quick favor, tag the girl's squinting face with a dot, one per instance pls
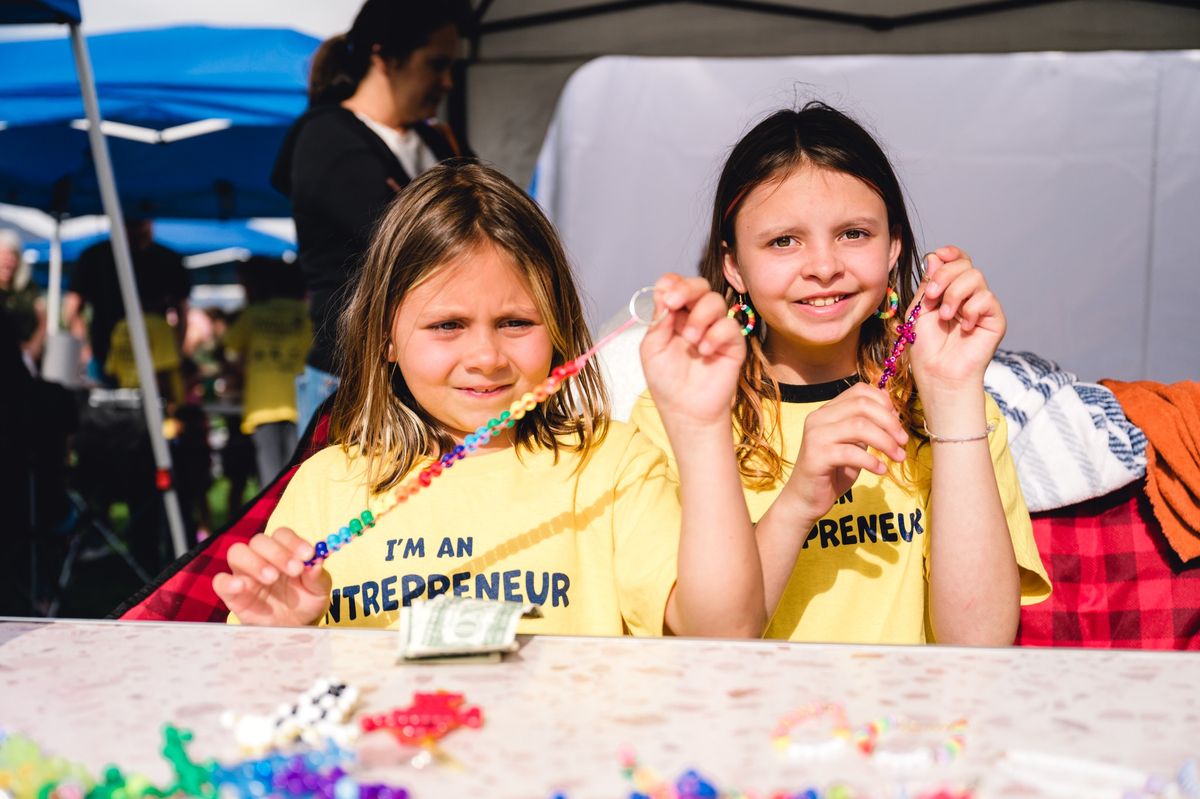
(813, 252)
(470, 340)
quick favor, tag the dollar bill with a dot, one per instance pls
(450, 627)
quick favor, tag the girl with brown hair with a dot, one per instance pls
(464, 307)
(883, 514)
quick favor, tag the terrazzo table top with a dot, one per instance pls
(558, 711)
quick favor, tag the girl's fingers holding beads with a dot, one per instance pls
(299, 550)
(708, 309)
(722, 335)
(670, 292)
(251, 567)
(234, 592)
(966, 282)
(857, 458)
(316, 580)
(274, 554)
(983, 310)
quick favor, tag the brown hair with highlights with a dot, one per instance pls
(817, 136)
(443, 214)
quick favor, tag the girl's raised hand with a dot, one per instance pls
(269, 583)
(960, 326)
(834, 448)
(692, 356)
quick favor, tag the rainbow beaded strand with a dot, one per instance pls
(482, 435)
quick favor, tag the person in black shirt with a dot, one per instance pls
(369, 130)
(162, 282)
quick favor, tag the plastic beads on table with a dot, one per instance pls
(316, 774)
(647, 784)
(905, 334)
(25, 770)
(920, 758)
(482, 435)
(430, 717)
(319, 714)
(827, 747)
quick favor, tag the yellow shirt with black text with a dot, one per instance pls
(862, 572)
(595, 548)
(164, 354)
(272, 340)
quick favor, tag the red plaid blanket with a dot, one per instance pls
(1117, 584)
(184, 591)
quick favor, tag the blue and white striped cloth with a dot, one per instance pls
(1070, 440)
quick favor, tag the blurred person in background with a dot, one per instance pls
(22, 300)
(369, 130)
(269, 342)
(93, 306)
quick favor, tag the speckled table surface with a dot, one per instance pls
(558, 711)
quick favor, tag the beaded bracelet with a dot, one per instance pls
(829, 747)
(991, 428)
(918, 759)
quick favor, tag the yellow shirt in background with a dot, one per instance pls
(596, 548)
(272, 340)
(863, 568)
(164, 354)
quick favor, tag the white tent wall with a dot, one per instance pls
(1075, 176)
(517, 74)
(1070, 178)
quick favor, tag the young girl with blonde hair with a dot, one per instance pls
(464, 307)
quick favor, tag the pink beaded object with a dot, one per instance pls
(905, 334)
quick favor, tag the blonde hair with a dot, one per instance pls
(822, 137)
(447, 212)
(10, 240)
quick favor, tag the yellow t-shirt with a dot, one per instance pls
(272, 339)
(164, 354)
(596, 548)
(862, 573)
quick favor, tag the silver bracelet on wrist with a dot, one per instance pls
(991, 428)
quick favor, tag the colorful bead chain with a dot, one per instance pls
(485, 433)
(905, 334)
(482, 435)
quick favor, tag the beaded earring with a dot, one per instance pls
(742, 307)
(893, 305)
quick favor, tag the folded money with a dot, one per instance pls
(456, 629)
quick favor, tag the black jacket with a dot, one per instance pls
(339, 176)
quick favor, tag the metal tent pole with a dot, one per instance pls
(133, 306)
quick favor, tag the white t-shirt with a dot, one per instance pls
(408, 147)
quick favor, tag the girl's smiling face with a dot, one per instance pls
(470, 340)
(813, 251)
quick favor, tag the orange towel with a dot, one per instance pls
(1169, 415)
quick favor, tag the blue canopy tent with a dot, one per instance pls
(184, 236)
(194, 117)
(47, 164)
